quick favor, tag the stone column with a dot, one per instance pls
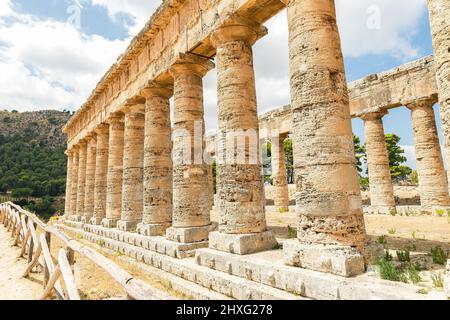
(439, 11)
(211, 184)
(279, 180)
(90, 178)
(101, 174)
(115, 171)
(67, 210)
(331, 230)
(133, 161)
(433, 184)
(74, 183)
(242, 222)
(157, 215)
(380, 181)
(81, 179)
(191, 199)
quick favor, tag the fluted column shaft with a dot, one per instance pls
(90, 178)
(157, 216)
(279, 180)
(81, 179)
(191, 202)
(439, 12)
(67, 209)
(329, 205)
(101, 174)
(433, 184)
(240, 187)
(74, 182)
(115, 171)
(133, 161)
(380, 181)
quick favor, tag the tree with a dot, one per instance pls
(288, 150)
(360, 153)
(399, 172)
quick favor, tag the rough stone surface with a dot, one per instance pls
(157, 213)
(115, 171)
(133, 162)
(381, 188)
(242, 243)
(91, 155)
(101, 174)
(81, 179)
(447, 281)
(433, 183)
(191, 199)
(328, 197)
(439, 11)
(74, 182)
(67, 209)
(239, 183)
(281, 191)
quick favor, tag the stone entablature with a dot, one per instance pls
(178, 26)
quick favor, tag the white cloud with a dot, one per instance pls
(379, 26)
(139, 10)
(50, 64)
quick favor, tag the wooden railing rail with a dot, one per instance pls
(34, 237)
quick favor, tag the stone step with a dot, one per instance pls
(268, 268)
(187, 269)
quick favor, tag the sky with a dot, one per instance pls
(53, 53)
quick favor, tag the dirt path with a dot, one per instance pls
(12, 285)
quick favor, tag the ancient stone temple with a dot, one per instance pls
(135, 179)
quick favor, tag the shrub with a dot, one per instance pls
(382, 240)
(388, 271)
(392, 231)
(413, 274)
(438, 280)
(404, 255)
(439, 255)
(292, 233)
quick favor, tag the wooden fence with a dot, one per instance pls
(34, 238)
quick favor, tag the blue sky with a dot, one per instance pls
(49, 61)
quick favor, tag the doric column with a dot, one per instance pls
(115, 171)
(279, 180)
(331, 231)
(133, 162)
(211, 185)
(380, 181)
(433, 184)
(74, 182)
(67, 209)
(439, 11)
(81, 179)
(90, 178)
(157, 215)
(191, 203)
(101, 174)
(242, 222)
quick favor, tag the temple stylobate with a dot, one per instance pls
(127, 175)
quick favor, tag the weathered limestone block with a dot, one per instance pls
(439, 11)
(240, 184)
(133, 162)
(74, 182)
(90, 177)
(329, 205)
(101, 174)
(81, 180)
(381, 188)
(157, 216)
(191, 199)
(433, 183)
(115, 171)
(67, 209)
(279, 180)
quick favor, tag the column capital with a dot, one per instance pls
(134, 105)
(90, 137)
(69, 152)
(191, 64)
(102, 128)
(157, 89)
(420, 104)
(116, 117)
(237, 28)
(374, 115)
(82, 143)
